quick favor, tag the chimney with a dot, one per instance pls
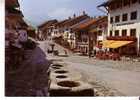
(100, 17)
(69, 17)
(74, 15)
(84, 13)
(91, 17)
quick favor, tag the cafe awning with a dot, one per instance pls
(115, 44)
(107, 43)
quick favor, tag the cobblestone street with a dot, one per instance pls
(109, 78)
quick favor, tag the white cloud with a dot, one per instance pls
(61, 13)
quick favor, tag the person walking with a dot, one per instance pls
(65, 52)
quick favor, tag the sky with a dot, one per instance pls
(38, 11)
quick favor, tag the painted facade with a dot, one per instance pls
(46, 29)
(124, 22)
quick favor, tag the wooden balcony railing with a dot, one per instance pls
(122, 38)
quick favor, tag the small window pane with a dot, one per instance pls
(110, 33)
(117, 19)
(117, 33)
(124, 32)
(133, 32)
(125, 17)
(134, 15)
(111, 20)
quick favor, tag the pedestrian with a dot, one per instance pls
(94, 53)
(90, 54)
(65, 52)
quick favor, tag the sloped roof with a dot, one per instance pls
(48, 23)
(75, 20)
(101, 21)
(86, 24)
(61, 22)
(23, 23)
(77, 25)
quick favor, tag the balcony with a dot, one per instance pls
(122, 38)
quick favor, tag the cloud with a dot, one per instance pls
(61, 13)
(38, 11)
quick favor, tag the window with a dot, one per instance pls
(125, 17)
(111, 20)
(117, 19)
(124, 32)
(111, 33)
(117, 33)
(100, 33)
(100, 26)
(85, 40)
(134, 15)
(133, 32)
